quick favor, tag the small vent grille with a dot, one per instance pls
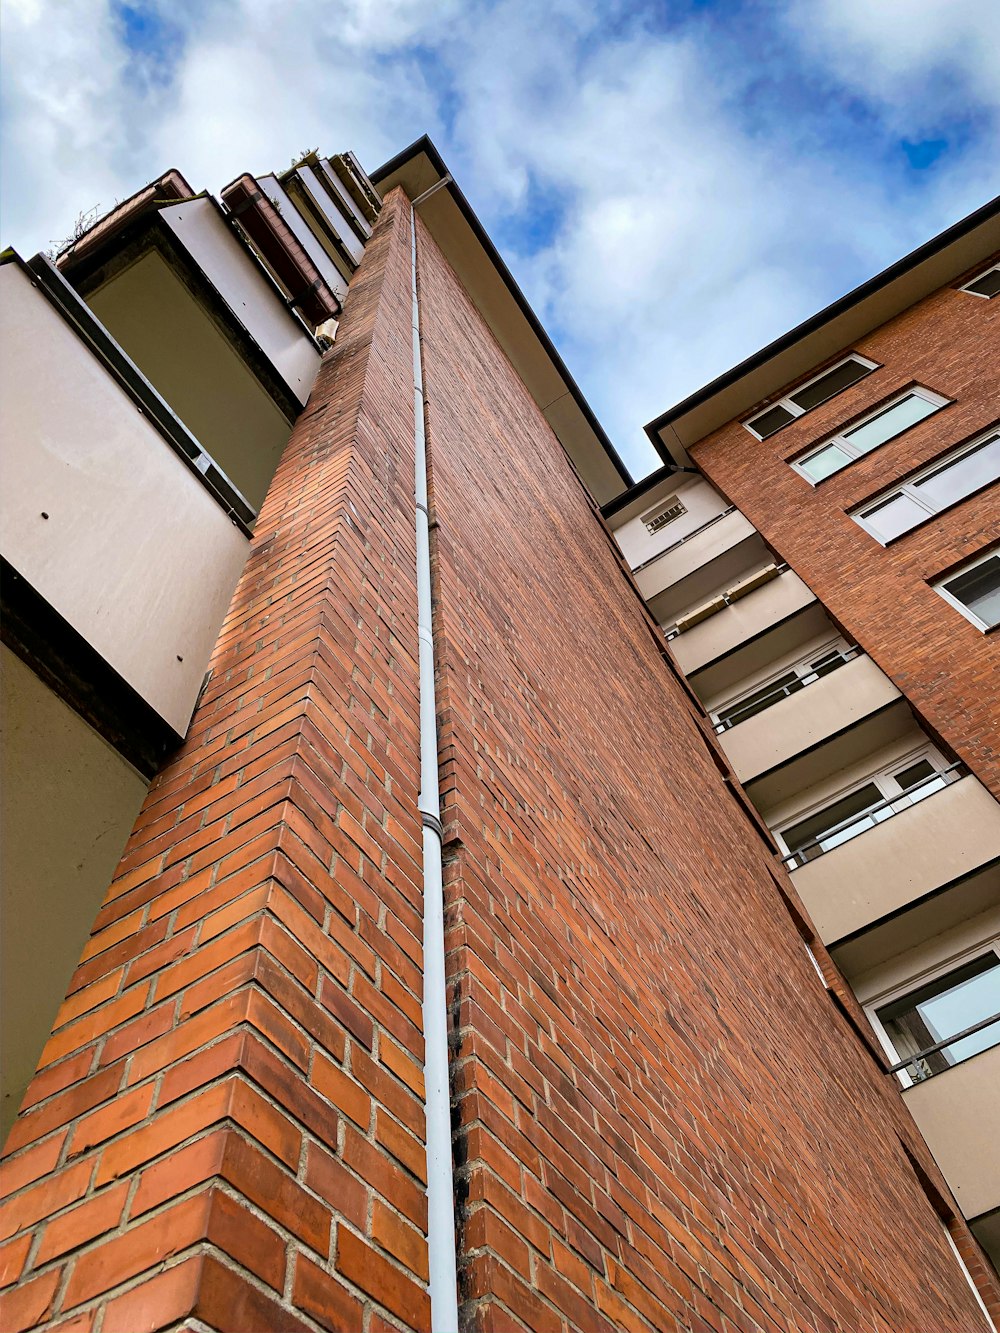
(671, 510)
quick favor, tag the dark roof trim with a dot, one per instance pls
(268, 231)
(817, 321)
(639, 488)
(426, 146)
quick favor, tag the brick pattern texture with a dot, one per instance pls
(662, 1123)
(950, 670)
(227, 1122)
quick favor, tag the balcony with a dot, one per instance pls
(111, 511)
(897, 853)
(820, 707)
(711, 541)
(958, 1113)
(738, 618)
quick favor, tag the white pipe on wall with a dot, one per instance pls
(437, 1104)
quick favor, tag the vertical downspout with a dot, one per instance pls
(437, 1104)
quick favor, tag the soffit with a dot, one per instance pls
(765, 375)
(502, 305)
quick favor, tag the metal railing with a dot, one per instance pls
(686, 538)
(884, 810)
(917, 1073)
(832, 662)
(727, 599)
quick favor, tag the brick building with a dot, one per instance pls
(482, 944)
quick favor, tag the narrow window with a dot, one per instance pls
(922, 1023)
(809, 395)
(975, 591)
(874, 430)
(938, 487)
(666, 513)
(987, 284)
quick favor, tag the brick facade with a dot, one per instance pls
(227, 1121)
(946, 667)
(662, 1120)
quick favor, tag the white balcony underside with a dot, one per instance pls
(898, 862)
(807, 718)
(958, 1113)
(744, 619)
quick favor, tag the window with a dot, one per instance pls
(903, 783)
(670, 509)
(941, 1009)
(819, 663)
(872, 431)
(975, 590)
(987, 284)
(810, 395)
(933, 490)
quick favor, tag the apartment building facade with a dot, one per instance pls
(303, 521)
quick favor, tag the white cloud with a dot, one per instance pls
(703, 203)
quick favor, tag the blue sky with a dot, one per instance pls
(673, 184)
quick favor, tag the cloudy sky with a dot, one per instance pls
(673, 184)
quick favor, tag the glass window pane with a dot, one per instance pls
(949, 1005)
(979, 590)
(895, 516)
(907, 412)
(761, 699)
(918, 772)
(816, 825)
(771, 420)
(825, 462)
(834, 381)
(988, 284)
(956, 480)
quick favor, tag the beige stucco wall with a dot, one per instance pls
(693, 554)
(751, 615)
(807, 717)
(920, 849)
(67, 805)
(958, 1113)
(99, 514)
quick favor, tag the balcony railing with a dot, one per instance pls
(725, 599)
(875, 814)
(915, 1066)
(765, 701)
(716, 518)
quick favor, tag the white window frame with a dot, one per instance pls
(983, 296)
(960, 607)
(940, 464)
(854, 454)
(662, 507)
(917, 982)
(882, 778)
(798, 411)
(803, 667)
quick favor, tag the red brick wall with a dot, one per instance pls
(664, 1122)
(227, 1122)
(947, 667)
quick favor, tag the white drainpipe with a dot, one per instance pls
(440, 1174)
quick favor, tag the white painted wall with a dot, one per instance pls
(135, 553)
(199, 227)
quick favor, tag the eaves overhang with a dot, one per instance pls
(762, 377)
(463, 240)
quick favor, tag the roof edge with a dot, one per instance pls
(823, 317)
(426, 146)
